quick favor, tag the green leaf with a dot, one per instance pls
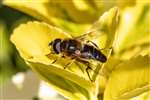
(105, 29)
(64, 82)
(74, 29)
(58, 13)
(143, 96)
(32, 41)
(76, 14)
(132, 32)
(35, 9)
(47, 10)
(129, 79)
(112, 62)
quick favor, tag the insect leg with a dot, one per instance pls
(88, 67)
(57, 58)
(54, 61)
(69, 63)
(63, 56)
(48, 55)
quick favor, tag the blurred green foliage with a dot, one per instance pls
(10, 60)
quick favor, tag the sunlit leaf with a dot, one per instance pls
(105, 28)
(107, 25)
(32, 41)
(129, 79)
(125, 3)
(63, 14)
(64, 82)
(132, 32)
(76, 14)
(47, 10)
(111, 64)
(143, 96)
(74, 29)
(35, 9)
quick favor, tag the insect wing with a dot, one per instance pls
(93, 33)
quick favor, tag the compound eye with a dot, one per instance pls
(56, 45)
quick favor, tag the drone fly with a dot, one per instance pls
(76, 50)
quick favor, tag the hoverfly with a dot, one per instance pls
(77, 50)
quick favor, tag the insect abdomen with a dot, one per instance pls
(89, 52)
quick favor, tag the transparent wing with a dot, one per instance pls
(97, 36)
(93, 33)
(85, 36)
